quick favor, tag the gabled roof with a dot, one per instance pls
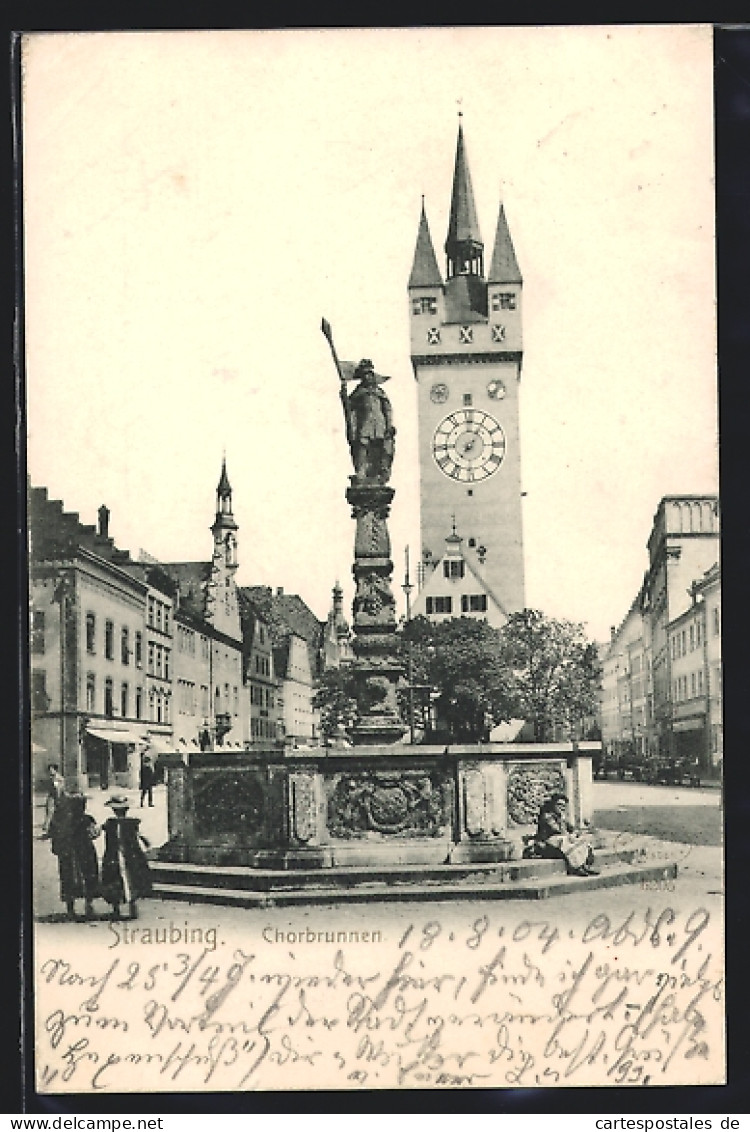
(425, 271)
(504, 267)
(55, 533)
(463, 225)
(287, 615)
(191, 579)
(435, 583)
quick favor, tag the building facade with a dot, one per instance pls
(466, 352)
(662, 686)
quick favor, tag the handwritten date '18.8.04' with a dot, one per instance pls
(631, 1000)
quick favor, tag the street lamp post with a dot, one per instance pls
(408, 588)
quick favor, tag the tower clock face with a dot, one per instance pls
(468, 445)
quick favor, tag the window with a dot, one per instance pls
(109, 640)
(39, 697)
(426, 304)
(700, 681)
(151, 605)
(125, 646)
(236, 701)
(474, 603)
(37, 631)
(454, 568)
(467, 399)
(439, 605)
(717, 621)
(139, 650)
(166, 664)
(90, 633)
(692, 637)
(692, 683)
(504, 301)
(124, 701)
(167, 703)
(166, 619)
(109, 703)
(90, 691)
(698, 633)
(465, 335)
(150, 657)
(158, 609)
(204, 699)
(139, 702)
(159, 657)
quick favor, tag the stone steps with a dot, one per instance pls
(516, 880)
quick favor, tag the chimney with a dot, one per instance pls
(104, 521)
(279, 591)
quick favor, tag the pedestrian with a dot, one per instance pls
(55, 788)
(555, 837)
(72, 832)
(147, 779)
(125, 870)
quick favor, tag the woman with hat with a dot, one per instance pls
(125, 871)
(71, 832)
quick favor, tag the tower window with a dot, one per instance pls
(503, 301)
(433, 336)
(426, 304)
(467, 399)
(465, 335)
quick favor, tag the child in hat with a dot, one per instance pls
(125, 871)
(71, 833)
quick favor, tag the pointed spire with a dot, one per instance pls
(425, 271)
(504, 267)
(463, 244)
(224, 489)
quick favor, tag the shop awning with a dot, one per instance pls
(114, 734)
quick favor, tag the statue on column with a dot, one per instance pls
(368, 416)
(370, 435)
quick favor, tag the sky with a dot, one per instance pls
(195, 202)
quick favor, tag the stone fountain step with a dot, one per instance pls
(348, 876)
(518, 880)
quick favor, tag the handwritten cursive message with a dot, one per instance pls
(499, 997)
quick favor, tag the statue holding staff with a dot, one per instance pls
(368, 416)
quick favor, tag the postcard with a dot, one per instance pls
(375, 593)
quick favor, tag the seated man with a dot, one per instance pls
(556, 837)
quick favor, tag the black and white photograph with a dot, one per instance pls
(375, 622)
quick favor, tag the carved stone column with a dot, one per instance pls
(374, 616)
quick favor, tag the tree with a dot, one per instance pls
(336, 700)
(556, 672)
(462, 660)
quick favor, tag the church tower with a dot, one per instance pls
(222, 607)
(466, 351)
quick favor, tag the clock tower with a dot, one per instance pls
(466, 352)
